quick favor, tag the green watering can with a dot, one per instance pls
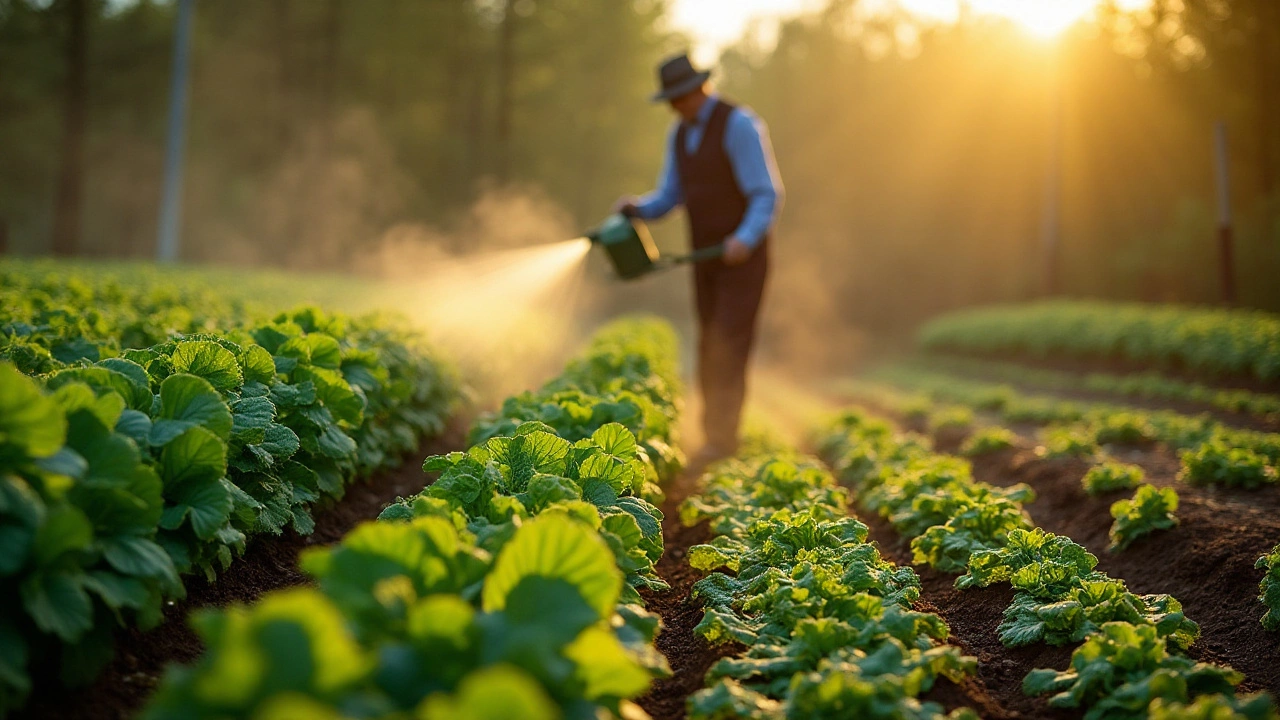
(632, 252)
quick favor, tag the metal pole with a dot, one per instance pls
(1051, 231)
(1222, 172)
(175, 144)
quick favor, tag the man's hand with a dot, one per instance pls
(736, 252)
(626, 205)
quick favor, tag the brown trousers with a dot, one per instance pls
(728, 303)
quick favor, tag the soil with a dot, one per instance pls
(270, 563)
(1206, 562)
(973, 615)
(689, 655)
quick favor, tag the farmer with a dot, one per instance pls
(720, 166)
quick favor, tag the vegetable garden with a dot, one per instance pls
(979, 533)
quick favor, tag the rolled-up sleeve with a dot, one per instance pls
(668, 195)
(746, 142)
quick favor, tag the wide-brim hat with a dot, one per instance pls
(677, 77)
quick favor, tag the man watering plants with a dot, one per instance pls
(720, 167)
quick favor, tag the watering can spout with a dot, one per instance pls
(631, 251)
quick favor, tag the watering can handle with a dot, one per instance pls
(707, 253)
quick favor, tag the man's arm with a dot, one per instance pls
(668, 195)
(746, 142)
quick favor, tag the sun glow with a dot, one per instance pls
(715, 24)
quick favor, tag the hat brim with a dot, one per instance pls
(683, 88)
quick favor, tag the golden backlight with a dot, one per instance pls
(716, 23)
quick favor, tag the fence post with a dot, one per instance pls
(171, 198)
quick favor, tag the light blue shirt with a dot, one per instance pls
(746, 142)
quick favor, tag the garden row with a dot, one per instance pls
(1211, 453)
(828, 624)
(1131, 662)
(146, 434)
(507, 588)
(1218, 343)
(1260, 408)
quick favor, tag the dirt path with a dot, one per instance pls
(689, 656)
(269, 564)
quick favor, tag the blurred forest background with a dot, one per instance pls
(338, 134)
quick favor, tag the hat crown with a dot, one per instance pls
(676, 70)
(677, 76)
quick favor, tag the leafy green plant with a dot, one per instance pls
(1216, 463)
(1269, 589)
(78, 514)
(414, 615)
(628, 375)
(950, 419)
(988, 440)
(1061, 598)
(1209, 340)
(1151, 509)
(189, 424)
(496, 484)
(1121, 670)
(1060, 442)
(1215, 707)
(1110, 476)
(1123, 428)
(793, 578)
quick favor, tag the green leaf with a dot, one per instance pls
(139, 557)
(58, 604)
(604, 666)
(196, 456)
(29, 420)
(500, 692)
(21, 514)
(257, 365)
(117, 591)
(555, 547)
(185, 402)
(208, 360)
(616, 440)
(325, 351)
(65, 530)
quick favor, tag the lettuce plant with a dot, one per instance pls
(1111, 476)
(1270, 589)
(1217, 463)
(1120, 670)
(414, 617)
(1061, 598)
(793, 578)
(1151, 509)
(988, 440)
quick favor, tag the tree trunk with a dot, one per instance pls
(506, 69)
(68, 200)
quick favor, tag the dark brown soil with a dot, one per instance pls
(270, 563)
(973, 615)
(1207, 562)
(689, 655)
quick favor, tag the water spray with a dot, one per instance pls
(631, 250)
